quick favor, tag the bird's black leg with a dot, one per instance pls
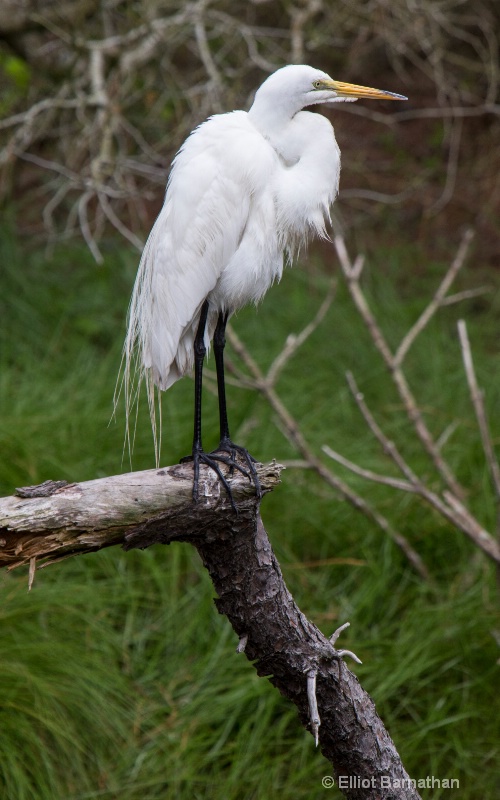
(198, 455)
(226, 445)
(199, 356)
(219, 345)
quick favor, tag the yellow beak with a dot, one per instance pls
(352, 90)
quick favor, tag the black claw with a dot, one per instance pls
(211, 460)
(233, 450)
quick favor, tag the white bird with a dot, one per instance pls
(245, 191)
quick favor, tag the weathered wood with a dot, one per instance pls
(55, 520)
(140, 509)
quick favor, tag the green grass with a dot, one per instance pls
(118, 677)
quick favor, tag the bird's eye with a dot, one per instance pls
(317, 84)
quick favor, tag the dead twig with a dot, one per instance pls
(295, 341)
(352, 274)
(439, 299)
(477, 397)
(449, 501)
(448, 505)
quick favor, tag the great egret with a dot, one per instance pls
(245, 190)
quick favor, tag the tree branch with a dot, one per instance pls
(57, 520)
(449, 506)
(394, 362)
(477, 397)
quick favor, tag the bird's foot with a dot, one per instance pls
(198, 457)
(233, 451)
(217, 457)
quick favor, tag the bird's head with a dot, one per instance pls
(326, 90)
(297, 86)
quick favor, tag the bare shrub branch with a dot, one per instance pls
(114, 88)
(449, 501)
(477, 397)
(393, 362)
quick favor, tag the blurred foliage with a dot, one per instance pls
(119, 679)
(115, 86)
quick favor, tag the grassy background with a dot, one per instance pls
(118, 678)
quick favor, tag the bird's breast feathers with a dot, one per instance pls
(231, 209)
(227, 170)
(220, 214)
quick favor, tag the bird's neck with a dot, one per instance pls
(271, 115)
(307, 182)
(293, 138)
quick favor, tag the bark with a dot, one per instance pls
(55, 521)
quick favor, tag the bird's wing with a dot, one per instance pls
(216, 176)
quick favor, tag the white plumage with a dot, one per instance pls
(245, 190)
